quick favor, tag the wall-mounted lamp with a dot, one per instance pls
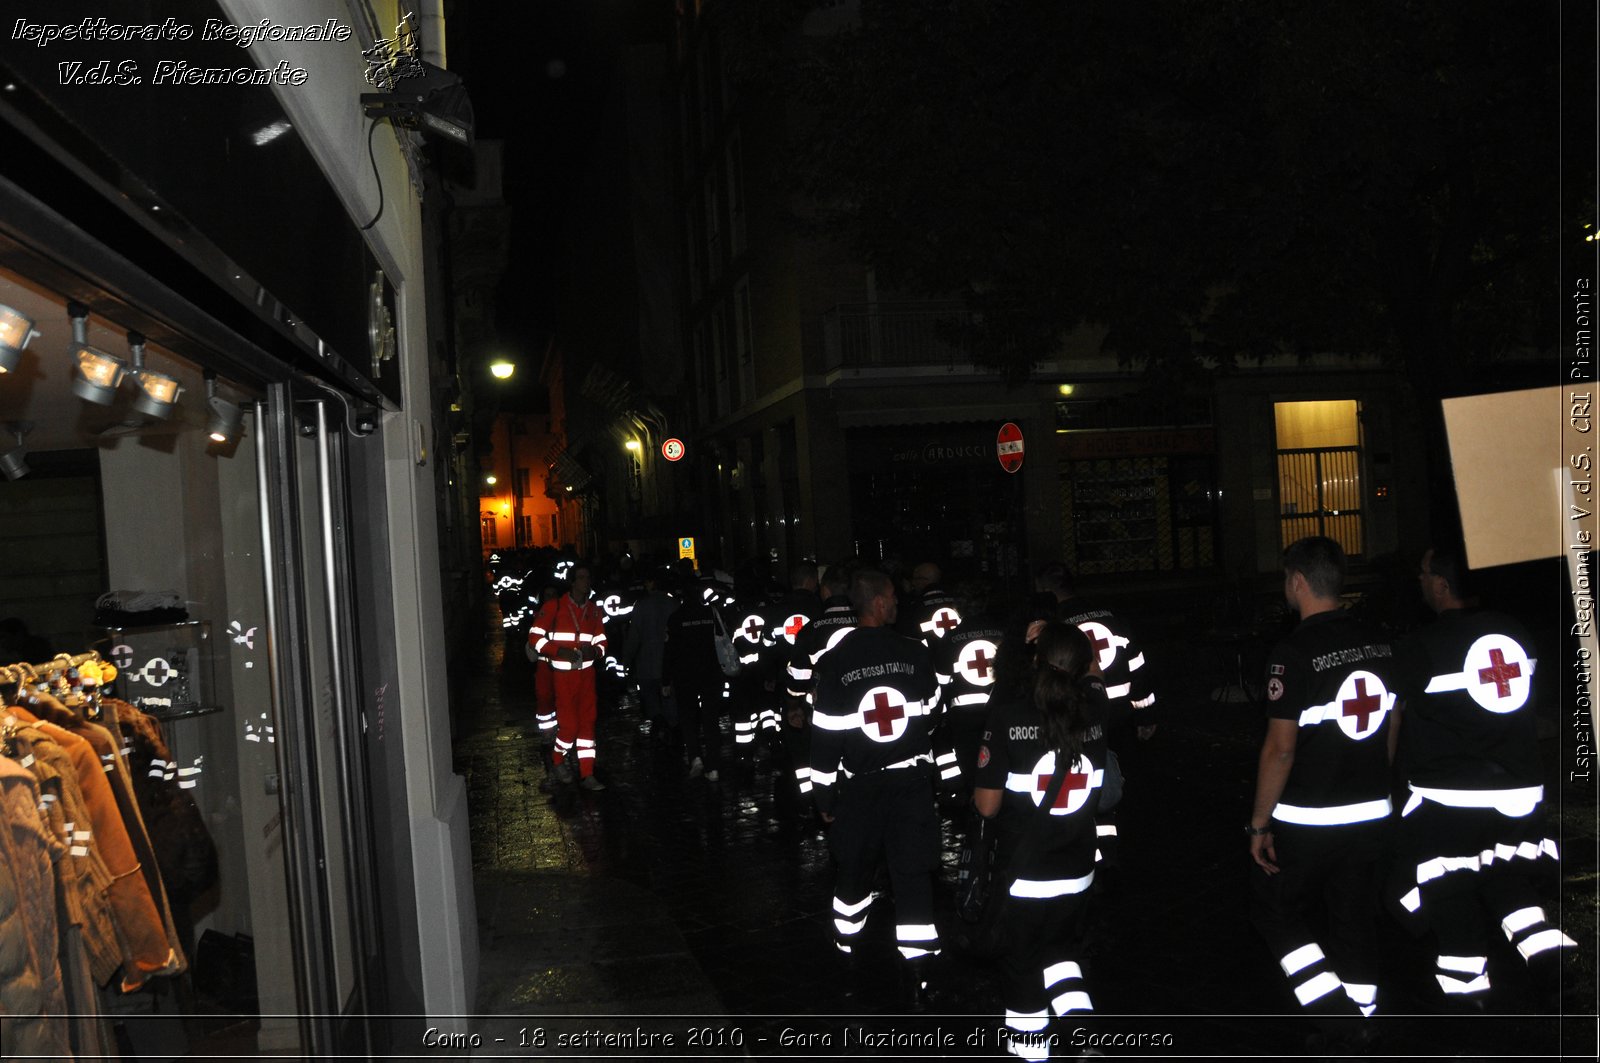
(14, 462)
(15, 332)
(633, 445)
(227, 419)
(1065, 389)
(502, 369)
(158, 392)
(491, 479)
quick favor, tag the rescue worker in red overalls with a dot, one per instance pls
(570, 633)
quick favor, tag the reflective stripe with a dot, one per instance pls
(970, 699)
(947, 757)
(916, 932)
(912, 952)
(1120, 690)
(1137, 662)
(1077, 1000)
(1361, 994)
(1027, 1021)
(1514, 802)
(1144, 703)
(910, 762)
(1333, 815)
(1443, 684)
(848, 927)
(1040, 889)
(1412, 900)
(824, 778)
(1026, 782)
(1520, 920)
(1464, 964)
(852, 909)
(1457, 986)
(1060, 972)
(1543, 941)
(1106, 830)
(1316, 988)
(1301, 958)
(1440, 866)
(849, 722)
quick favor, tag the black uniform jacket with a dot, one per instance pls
(1016, 757)
(876, 702)
(965, 661)
(1335, 678)
(1466, 684)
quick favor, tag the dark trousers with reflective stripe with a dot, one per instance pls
(1043, 937)
(1334, 872)
(888, 816)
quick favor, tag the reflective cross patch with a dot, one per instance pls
(975, 662)
(794, 625)
(1076, 783)
(1363, 702)
(883, 714)
(983, 756)
(1105, 642)
(750, 628)
(1274, 688)
(1497, 674)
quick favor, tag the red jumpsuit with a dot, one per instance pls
(563, 625)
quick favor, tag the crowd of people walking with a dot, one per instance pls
(889, 702)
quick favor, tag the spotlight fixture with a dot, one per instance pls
(227, 419)
(15, 332)
(427, 98)
(98, 374)
(158, 392)
(14, 462)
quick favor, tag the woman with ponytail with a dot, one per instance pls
(1040, 770)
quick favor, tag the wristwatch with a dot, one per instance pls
(1256, 832)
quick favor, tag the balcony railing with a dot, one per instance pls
(900, 334)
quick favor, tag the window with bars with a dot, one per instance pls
(1319, 472)
(1139, 513)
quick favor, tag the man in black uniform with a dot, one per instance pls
(1322, 789)
(1472, 833)
(814, 639)
(872, 769)
(692, 676)
(1119, 655)
(965, 663)
(932, 613)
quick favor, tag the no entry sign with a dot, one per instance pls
(1008, 446)
(672, 449)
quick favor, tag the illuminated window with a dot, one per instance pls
(1319, 471)
(491, 537)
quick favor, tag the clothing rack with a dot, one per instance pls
(19, 673)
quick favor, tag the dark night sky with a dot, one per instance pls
(537, 79)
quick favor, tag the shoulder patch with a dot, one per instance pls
(983, 756)
(1275, 669)
(1274, 688)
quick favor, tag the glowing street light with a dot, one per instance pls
(633, 445)
(502, 369)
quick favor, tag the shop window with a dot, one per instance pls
(1319, 471)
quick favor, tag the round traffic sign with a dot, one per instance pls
(1008, 447)
(672, 449)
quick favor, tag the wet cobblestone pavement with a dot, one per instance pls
(673, 904)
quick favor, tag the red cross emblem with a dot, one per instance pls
(883, 714)
(976, 662)
(1104, 642)
(1075, 784)
(792, 626)
(1362, 705)
(945, 620)
(1362, 701)
(752, 628)
(1499, 673)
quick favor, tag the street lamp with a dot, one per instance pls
(502, 369)
(633, 445)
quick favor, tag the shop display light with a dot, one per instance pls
(15, 332)
(14, 462)
(158, 392)
(227, 419)
(99, 375)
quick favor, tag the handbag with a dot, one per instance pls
(727, 656)
(988, 939)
